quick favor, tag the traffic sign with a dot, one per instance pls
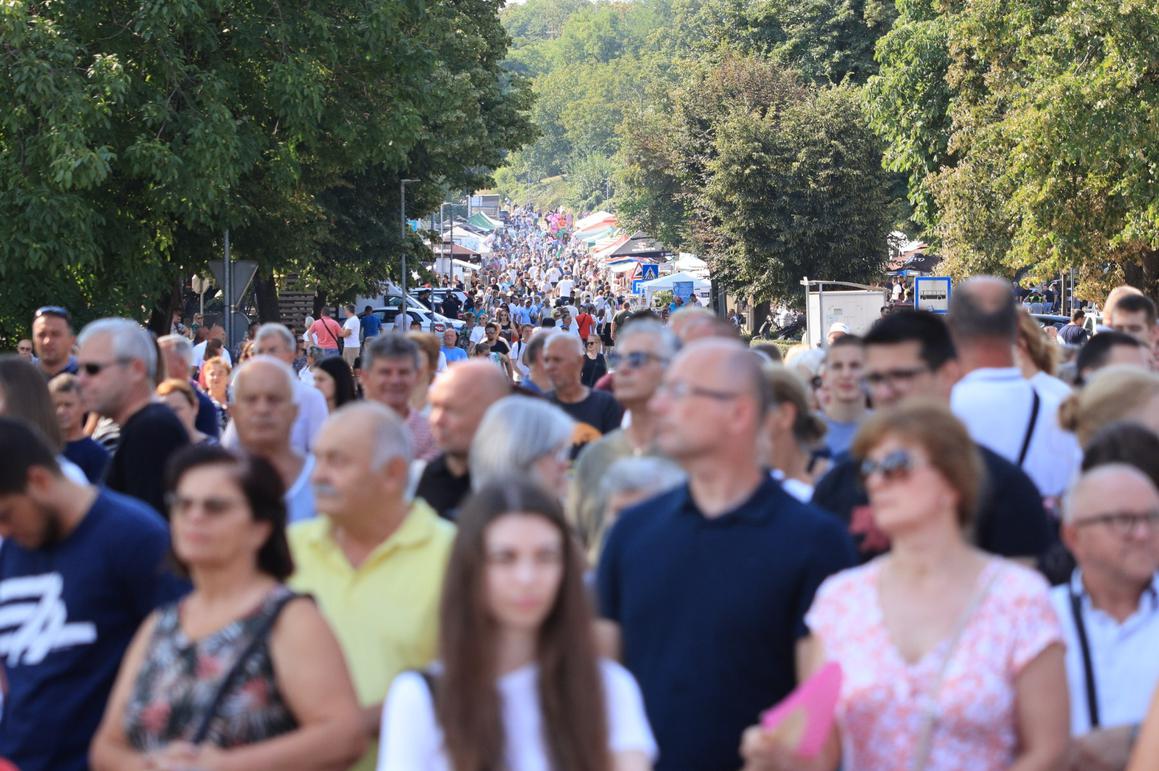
(637, 286)
(932, 293)
(649, 271)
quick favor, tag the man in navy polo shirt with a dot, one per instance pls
(704, 589)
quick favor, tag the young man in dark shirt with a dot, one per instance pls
(117, 368)
(80, 569)
(910, 355)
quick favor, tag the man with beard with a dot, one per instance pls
(80, 569)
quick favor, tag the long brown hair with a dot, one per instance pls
(571, 694)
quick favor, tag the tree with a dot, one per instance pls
(134, 135)
(770, 178)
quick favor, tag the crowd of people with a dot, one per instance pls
(404, 558)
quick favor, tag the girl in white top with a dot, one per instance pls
(519, 685)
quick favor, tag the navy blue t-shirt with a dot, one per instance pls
(710, 611)
(208, 419)
(371, 325)
(89, 456)
(67, 614)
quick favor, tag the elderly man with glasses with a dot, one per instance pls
(118, 363)
(639, 361)
(1110, 611)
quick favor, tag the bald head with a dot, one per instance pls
(565, 344)
(263, 408)
(983, 310)
(1114, 487)
(458, 400)
(373, 428)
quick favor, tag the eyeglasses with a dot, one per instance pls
(1123, 523)
(94, 368)
(681, 390)
(892, 377)
(53, 310)
(633, 360)
(895, 466)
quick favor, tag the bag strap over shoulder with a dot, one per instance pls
(261, 633)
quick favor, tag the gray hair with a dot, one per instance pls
(274, 329)
(131, 341)
(515, 432)
(181, 346)
(248, 364)
(666, 339)
(390, 346)
(391, 437)
(647, 475)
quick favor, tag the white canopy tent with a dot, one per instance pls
(699, 285)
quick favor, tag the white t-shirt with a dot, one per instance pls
(565, 287)
(354, 324)
(994, 404)
(199, 354)
(410, 737)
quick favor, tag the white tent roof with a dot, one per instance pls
(667, 282)
(596, 218)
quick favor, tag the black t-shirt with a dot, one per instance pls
(619, 319)
(593, 370)
(148, 440)
(451, 306)
(595, 416)
(1011, 521)
(1073, 334)
(500, 346)
(441, 489)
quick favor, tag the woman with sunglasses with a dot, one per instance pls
(518, 684)
(952, 659)
(241, 673)
(595, 365)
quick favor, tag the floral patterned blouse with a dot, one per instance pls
(179, 679)
(881, 709)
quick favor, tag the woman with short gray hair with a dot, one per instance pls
(520, 434)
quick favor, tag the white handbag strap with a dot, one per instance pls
(926, 736)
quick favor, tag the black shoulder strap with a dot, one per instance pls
(1076, 608)
(260, 633)
(1035, 408)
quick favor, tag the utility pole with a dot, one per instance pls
(402, 232)
(227, 280)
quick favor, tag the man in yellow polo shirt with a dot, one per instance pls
(373, 561)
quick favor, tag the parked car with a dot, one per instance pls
(428, 320)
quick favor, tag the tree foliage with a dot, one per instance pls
(1028, 132)
(134, 134)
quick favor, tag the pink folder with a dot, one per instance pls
(803, 720)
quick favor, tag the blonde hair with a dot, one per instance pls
(177, 385)
(1112, 394)
(430, 346)
(931, 425)
(1043, 353)
(787, 387)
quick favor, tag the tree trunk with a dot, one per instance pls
(266, 297)
(161, 317)
(1143, 272)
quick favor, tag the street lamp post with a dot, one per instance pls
(402, 225)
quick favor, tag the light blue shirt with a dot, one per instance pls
(1123, 657)
(300, 497)
(454, 354)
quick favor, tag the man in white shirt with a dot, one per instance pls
(276, 340)
(216, 332)
(351, 334)
(1110, 611)
(566, 287)
(1001, 409)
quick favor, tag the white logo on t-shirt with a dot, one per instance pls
(33, 605)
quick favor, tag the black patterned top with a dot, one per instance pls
(180, 678)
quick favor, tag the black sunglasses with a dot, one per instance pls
(53, 310)
(94, 368)
(894, 466)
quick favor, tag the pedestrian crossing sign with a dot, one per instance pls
(649, 271)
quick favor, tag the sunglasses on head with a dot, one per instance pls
(53, 310)
(894, 466)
